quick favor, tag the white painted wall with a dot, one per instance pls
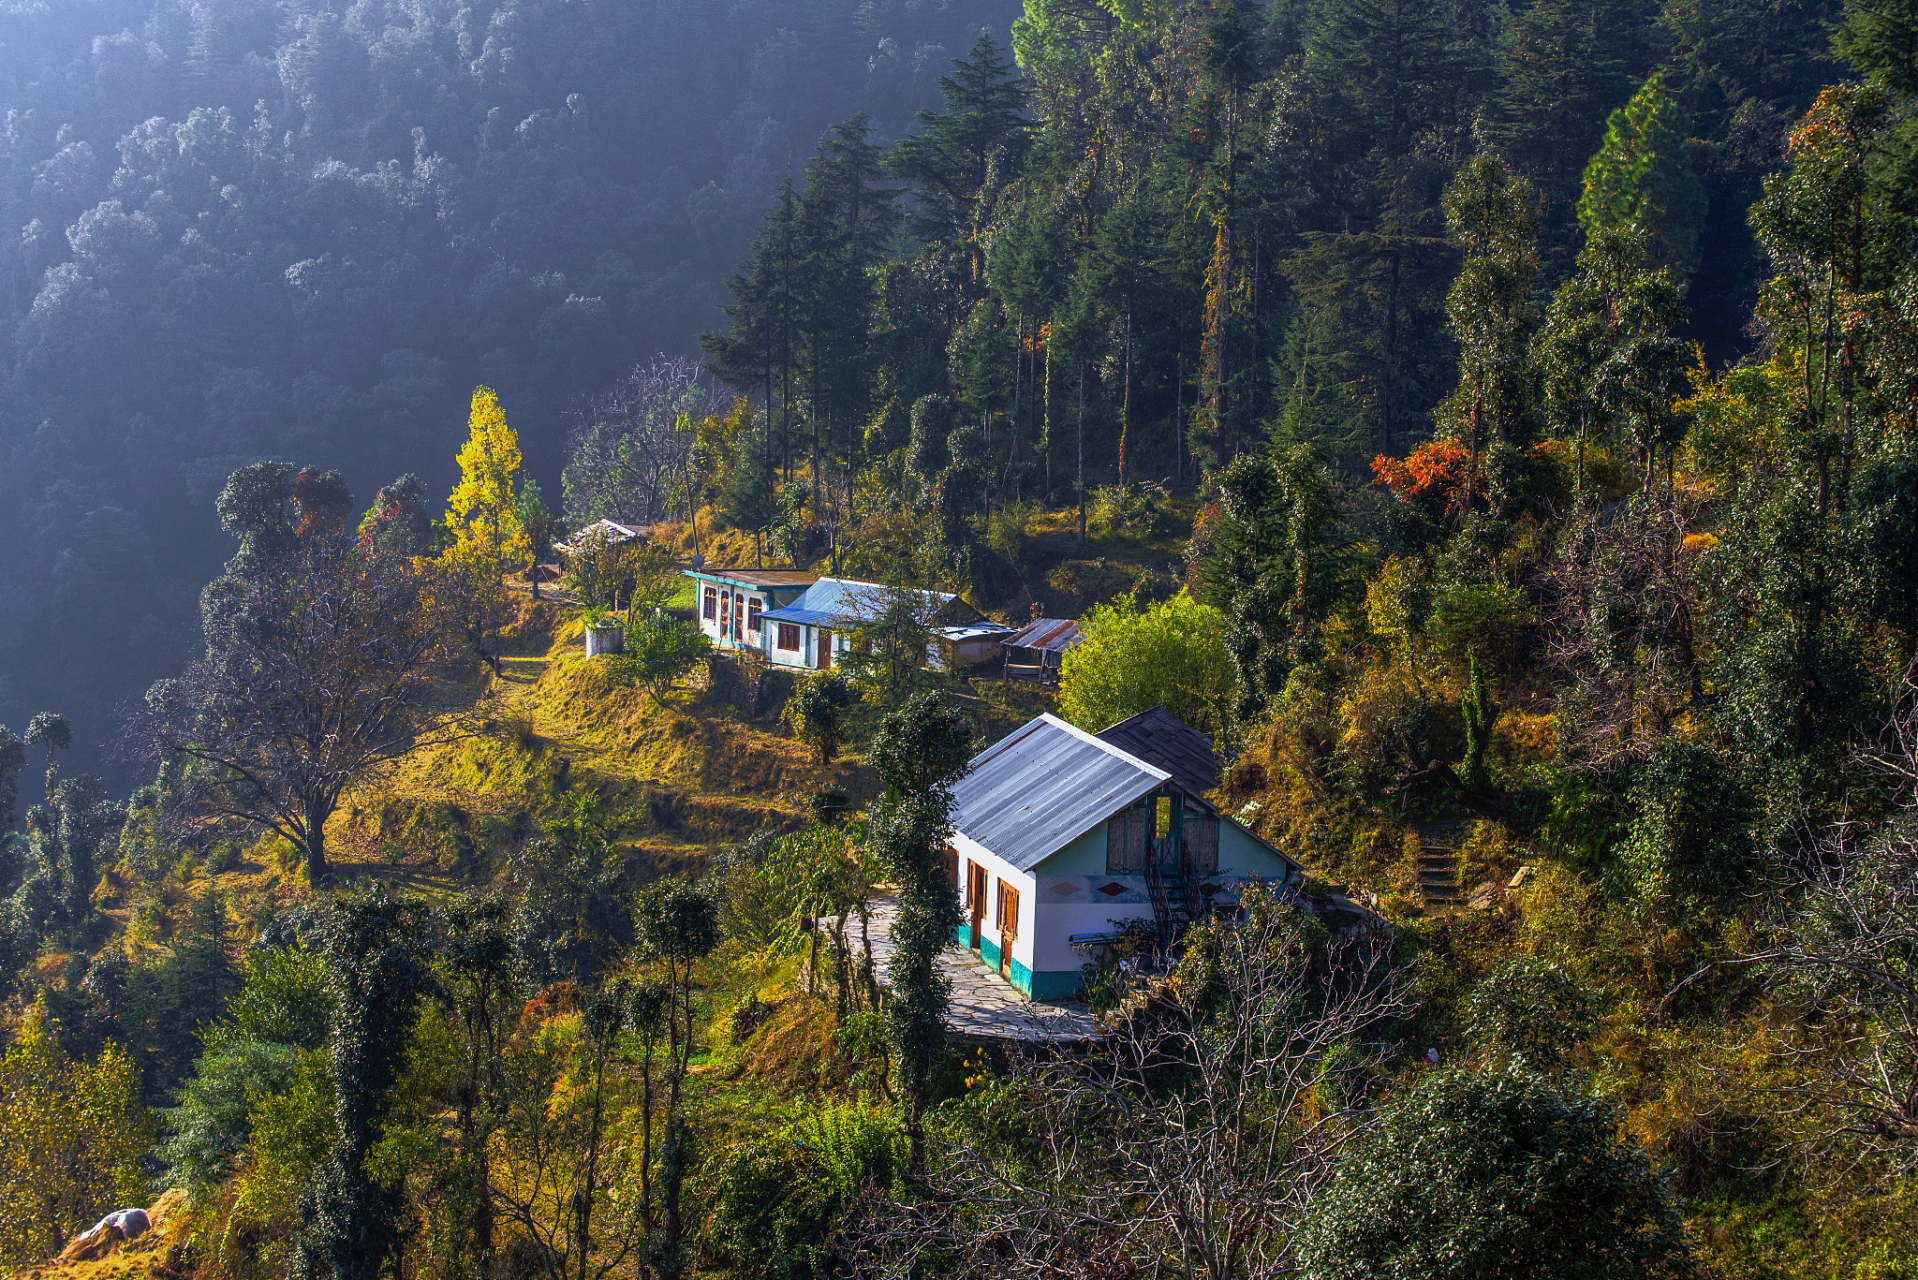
(999, 869)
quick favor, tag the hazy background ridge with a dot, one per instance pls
(305, 230)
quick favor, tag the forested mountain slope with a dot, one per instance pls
(1494, 425)
(252, 228)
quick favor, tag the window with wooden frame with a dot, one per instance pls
(753, 609)
(788, 637)
(1125, 841)
(1008, 921)
(739, 616)
(1202, 839)
(710, 607)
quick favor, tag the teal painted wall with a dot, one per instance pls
(1021, 978)
(1242, 855)
(1085, 856)
(1055, 984)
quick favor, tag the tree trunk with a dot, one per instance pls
(1218, 306)
(1081, 482)
(1125, 411)
(314, 834)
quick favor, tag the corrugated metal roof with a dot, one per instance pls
(615, 533)
(972, 631)
(1053, 635)
(1040, 787)
(761, 578)
(793, 613)
(1161, 738)
(837, 600)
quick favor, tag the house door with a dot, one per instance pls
(976, 901)
(1008, 927)
(825, 648)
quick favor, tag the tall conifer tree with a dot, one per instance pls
(1642, 177)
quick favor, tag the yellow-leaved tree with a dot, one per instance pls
(482, 516)
(71, 1137)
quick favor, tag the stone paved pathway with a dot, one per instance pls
(983, 1003)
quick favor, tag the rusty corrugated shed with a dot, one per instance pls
(1049, 635)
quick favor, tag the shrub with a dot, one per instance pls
(782, 1198)
(1505, 1175)
(1690, 835)
(1171, 654)
(749, 1014)
(1531, 1009)
(816, 713)
(72, 1134)
(1006, 530)
(1389, 725)
(659, 650)
(1479, 621)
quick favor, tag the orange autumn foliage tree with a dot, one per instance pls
(1429, 477)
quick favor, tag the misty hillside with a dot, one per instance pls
(1229, 638)
(305, 230)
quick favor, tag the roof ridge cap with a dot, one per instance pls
(1107, 747)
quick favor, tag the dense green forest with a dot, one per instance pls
(1493, 425)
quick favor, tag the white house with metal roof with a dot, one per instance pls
(1061, 836)
(814, 628)
(732, 603)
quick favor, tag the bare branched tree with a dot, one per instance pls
(569, 1159)
(628, 453)
(1845, 1051)
(322, 664)
(1188, 1142)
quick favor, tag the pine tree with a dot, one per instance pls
(949, 161)
(1228, 66)
(1880, 38)
(1566, 65)
(758, 344)
(1642, 177)
(845, 226)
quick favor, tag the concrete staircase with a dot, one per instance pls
(1438, 867)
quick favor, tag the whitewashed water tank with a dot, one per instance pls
(604, 637)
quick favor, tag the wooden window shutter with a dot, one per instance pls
(1125, 841)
